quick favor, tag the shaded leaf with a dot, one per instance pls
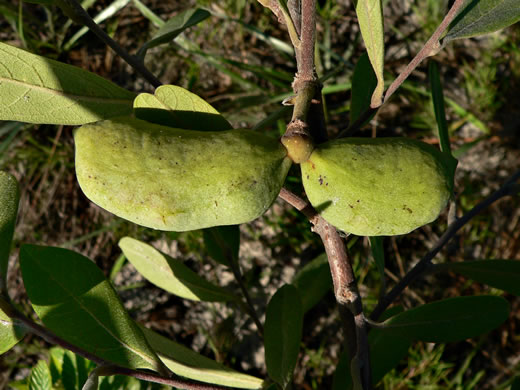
(438, 106)
(187, 363)
(223, 243)
(9, 199)
(313, 281)
(370, 19)
(480, 17)
(452, 319)
(74, 300)
(501, 274)
(173, 27)
(170, 274)
(386, 351)
(342, 380)
(283, 333)
(364, 82)
(40, 378)
(10, 332)
(516, 384)
(177, 107)
(35, 89)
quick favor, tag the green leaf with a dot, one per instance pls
(171, 274)
(74, 300)
(189, 364)
(283, 334)
(223, 243)
(438, 106)
(386, 351)
(9, 199)
(342, 380)
(370, 19)
(451, 319)
(35, 89)
(480, 17)
(177, 107)
(364, 82)
(516, 384)
(501, 274)
(173, 27)
(40, 378)
(10, 332)
(313, 281)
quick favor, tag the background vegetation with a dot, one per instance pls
(240, 61)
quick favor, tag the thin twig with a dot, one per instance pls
(112, 369)
(305, 59)
(425, 263)
(235, 267)
(345, 287)
(430, 47)
(81, 16)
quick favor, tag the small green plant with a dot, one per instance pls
(170, 161)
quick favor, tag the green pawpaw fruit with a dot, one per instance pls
(178, 180)
(377, 186)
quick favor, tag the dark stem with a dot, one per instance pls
(425, 264)
(249, 307)
(81, 16)
(111, 369)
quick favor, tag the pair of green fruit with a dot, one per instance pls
(178, 180)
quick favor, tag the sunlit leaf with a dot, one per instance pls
(313, 281)
(283, 333)
(171, 274)
(40, 378)
(173, 27)
(10, 332)
(187, 363)
(223, 243)
(74, 300)
(9, 198)
(480, 17)
(35, 89)
(501, 274)
(452, 319)
(177, 107)
(370, 19)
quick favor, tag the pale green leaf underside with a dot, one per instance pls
(189, 364)
(370, 19)
(40, 378)
(10, 333)
(170, 274)
(177, 107)
(480, 17)
(35, 89)
(74, 300)
(9, 198)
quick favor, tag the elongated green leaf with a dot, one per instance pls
(386, 351)
(9, 198)
(501, 274)
(283, 333)
(370, 19)
(451, 319)
(480, 17)
(73, 299)
(35, 89)
(177, 107)
(438, 106)
(364, 83)
(10, 332)
(313, 281)
(40, 378)
(173, 27)
(187, 363)
(516, 384)
(170, 274)
(223, 243)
